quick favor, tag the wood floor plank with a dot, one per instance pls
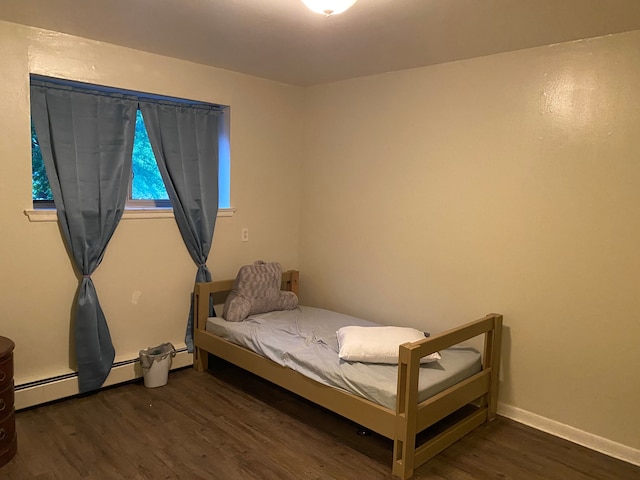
(226, 424)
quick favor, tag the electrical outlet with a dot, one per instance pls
(245, 235)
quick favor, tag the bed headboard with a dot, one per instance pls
(216, 293)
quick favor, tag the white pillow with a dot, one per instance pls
(377, 344)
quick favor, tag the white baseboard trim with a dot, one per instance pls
(586, 439)
(48, 390)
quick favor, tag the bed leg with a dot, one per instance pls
(493, 341)
(200, 360)
(404, 444)
(202, 308)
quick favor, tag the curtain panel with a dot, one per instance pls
(86, 139)
(184, 139)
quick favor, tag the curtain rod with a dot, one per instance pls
(63, 84)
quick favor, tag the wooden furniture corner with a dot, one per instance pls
(8, 435)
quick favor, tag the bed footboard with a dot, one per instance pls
(413, 417)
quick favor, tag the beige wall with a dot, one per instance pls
(145, 257)
(508, 183)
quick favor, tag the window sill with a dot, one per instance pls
(50, 215)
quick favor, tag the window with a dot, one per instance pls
(146, 188)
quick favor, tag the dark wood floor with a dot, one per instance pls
(226, 424)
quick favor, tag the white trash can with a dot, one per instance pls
(156, 362)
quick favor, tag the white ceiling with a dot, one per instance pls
(283, 41)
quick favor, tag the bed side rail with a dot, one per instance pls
(454, 336)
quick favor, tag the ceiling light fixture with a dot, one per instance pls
(329, 7)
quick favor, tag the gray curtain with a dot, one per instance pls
(184, 139)
(86, 140)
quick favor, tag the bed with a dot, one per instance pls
(399, 412)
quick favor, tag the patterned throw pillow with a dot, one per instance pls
(257, 290)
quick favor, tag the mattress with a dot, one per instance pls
(305, 340)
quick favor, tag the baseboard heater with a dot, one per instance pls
(50, 389)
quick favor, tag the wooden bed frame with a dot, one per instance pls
(410, 417)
